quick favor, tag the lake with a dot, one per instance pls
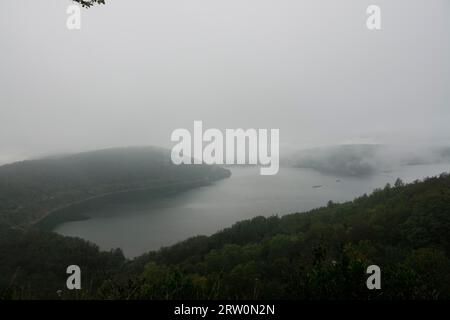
(138, 227)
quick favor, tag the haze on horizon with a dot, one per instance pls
(139, 69)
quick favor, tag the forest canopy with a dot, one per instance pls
(320, 254)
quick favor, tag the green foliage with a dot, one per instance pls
(320, 254)
(33, 264)
(324, 253)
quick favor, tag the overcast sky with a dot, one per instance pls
(138, 69)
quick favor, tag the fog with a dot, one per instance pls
(138, 69)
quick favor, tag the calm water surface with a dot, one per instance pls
(148, 225)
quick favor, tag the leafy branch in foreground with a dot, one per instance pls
(89, 3)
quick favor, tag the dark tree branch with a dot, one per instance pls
(89, 3)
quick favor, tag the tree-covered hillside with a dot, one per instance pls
(323, 253)
(30, 190)
(320, 254)
(33, 265)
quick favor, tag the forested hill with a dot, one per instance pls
(31, 189)
(360, 160)
(320, 254)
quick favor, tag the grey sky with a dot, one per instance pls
(139, 69)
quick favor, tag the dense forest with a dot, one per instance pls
(31, 190)
(320, 254)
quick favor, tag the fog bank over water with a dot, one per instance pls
(135, 72)
(365, 159)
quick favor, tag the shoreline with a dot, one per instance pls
(70, 211)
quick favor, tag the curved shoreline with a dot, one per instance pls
(66, 213)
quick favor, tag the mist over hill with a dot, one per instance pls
(361, 160)
(30, 190)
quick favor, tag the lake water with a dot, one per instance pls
(138, 227)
